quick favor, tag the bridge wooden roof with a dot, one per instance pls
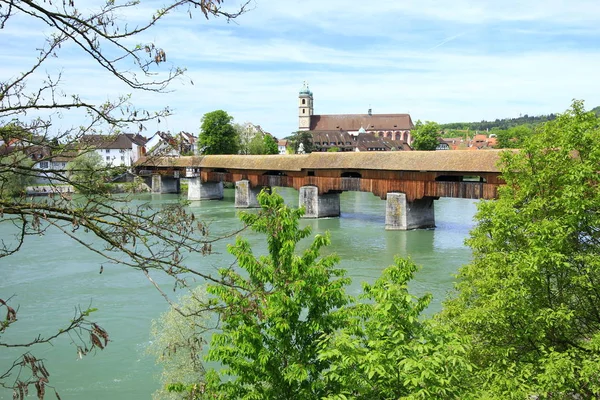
(440, 161)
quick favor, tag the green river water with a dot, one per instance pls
(51, 275)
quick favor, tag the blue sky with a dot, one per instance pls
(439, 60)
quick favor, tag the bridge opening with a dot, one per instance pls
(351, 174)
(274, 173)
(460, 178)
(223, 170)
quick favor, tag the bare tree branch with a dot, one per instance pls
(123, 233)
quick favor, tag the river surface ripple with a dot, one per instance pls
(52, 275)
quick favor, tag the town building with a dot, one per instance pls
(442, 144)
(477, 142)
(49, 161)
(117, 150)
(282, 146)
(168, 145)
(353, 132)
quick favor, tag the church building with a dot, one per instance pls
(353, 132)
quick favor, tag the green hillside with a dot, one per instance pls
(504, 123)
(509, 131)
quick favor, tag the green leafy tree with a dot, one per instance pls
(217, 134)
(388, 350)
(177, 343)
(257, 144)
(88, 173)
(263, 144)
(245, 137)
(425, 136)
(275, 310)
(304, 138)
(333, 149)
(15, 175)
(529, 301)
(270, 145)
(513, 138)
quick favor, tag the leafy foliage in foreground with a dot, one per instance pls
(276, 311)
(177, 343)
(290, 331)
(529, 301)
(524, 323)
(388, 351)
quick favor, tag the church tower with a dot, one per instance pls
(305, 108)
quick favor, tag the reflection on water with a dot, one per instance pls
(51, 275)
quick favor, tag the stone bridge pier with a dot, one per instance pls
(319, 206)
(165, 184)
(198, 190)
(401, 214)
(245, 196)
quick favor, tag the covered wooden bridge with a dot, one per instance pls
(409, 181)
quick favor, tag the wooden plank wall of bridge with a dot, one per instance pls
(415, 187)
(415, 173)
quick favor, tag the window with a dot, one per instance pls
(122, 158)
(303, 101)
(107, 150)
(303, 111)
(107, 157)
(44, 164)
(122, 151)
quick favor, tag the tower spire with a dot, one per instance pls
(305, 107)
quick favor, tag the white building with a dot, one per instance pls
(165, 144)
(117, 150)
(282, 146)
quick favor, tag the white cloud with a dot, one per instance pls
(439, 60)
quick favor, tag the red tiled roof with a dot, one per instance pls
(364, 141)
(353, 122)
(122, 141)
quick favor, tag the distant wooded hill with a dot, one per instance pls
(503, 124)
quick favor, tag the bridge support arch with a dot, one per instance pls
(319, 206)
(198, 190)
(245, 196)
(401, 214)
